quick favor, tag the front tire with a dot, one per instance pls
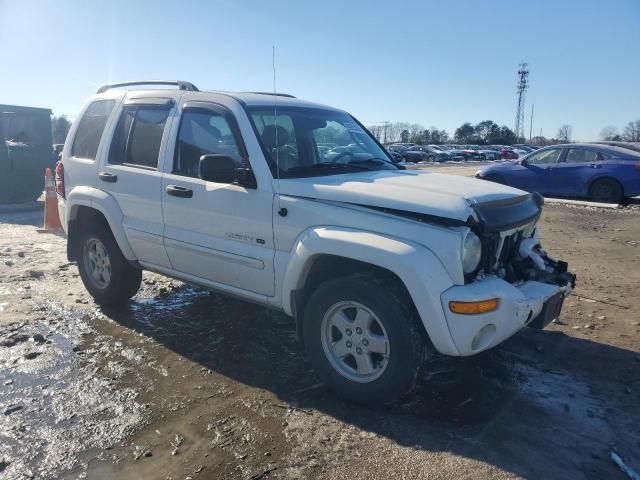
(363, 339)
(106, 274)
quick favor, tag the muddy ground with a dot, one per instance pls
(188, 384)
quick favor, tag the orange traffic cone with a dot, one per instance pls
(51, 216)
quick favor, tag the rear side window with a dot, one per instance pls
(138, 136)
(581, 155)
(90, 129)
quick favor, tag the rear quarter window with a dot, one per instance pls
(91, 128)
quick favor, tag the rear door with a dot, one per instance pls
(219, 232)
(130, 172)
(576, 169)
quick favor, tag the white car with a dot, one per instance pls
(379, 266)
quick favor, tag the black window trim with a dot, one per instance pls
(102, 134)
(127, 107)
(224, 112)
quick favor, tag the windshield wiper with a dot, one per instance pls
(374, 161)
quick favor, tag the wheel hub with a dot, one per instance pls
(355, 342)
(97, 262)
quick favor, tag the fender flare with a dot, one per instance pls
(421, 271)
(105, 204)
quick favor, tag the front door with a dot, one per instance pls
(218, 232)
(536, 172)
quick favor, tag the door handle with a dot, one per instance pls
(108, 177)
(595, 165)
(178, 191)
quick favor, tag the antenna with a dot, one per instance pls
(275, 109)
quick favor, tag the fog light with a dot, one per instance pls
(484, 337)
(474, 308)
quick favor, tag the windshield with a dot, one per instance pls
(313, 141)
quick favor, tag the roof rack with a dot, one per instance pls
(274, 94)
(182, 85)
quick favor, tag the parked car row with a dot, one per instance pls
(411, 152)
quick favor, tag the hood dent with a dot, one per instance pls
(421, 196)
(410, 215)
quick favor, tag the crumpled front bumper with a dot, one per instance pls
(518, 306)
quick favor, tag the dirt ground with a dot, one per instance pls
(188, 384)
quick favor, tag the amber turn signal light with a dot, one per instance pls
(474, 308)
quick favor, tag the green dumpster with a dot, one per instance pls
(25, 152)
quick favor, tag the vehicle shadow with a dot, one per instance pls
(543, 405)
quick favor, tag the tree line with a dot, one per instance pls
(630, 133)
(59, 128)
(405, 132)
(487, 132)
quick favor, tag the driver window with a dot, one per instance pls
(202, 132)
(545, 157)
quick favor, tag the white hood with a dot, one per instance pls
(437, 194)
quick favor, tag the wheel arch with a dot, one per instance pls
(86, 205)
(323, 253)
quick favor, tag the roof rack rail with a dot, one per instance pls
(274, 94)
(182, 85)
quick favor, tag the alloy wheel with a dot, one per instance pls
(355, 342)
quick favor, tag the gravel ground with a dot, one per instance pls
(188, 384)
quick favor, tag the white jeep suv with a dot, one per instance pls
(294, 205)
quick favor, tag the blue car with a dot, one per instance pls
(602, 173)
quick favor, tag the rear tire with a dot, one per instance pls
(606, 190)
(363, 338)
(106, 274)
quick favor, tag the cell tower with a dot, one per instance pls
(523, 84)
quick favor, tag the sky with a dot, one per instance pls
(436, 63)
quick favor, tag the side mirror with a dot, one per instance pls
(223, 169)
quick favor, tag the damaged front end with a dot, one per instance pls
(511, 247)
